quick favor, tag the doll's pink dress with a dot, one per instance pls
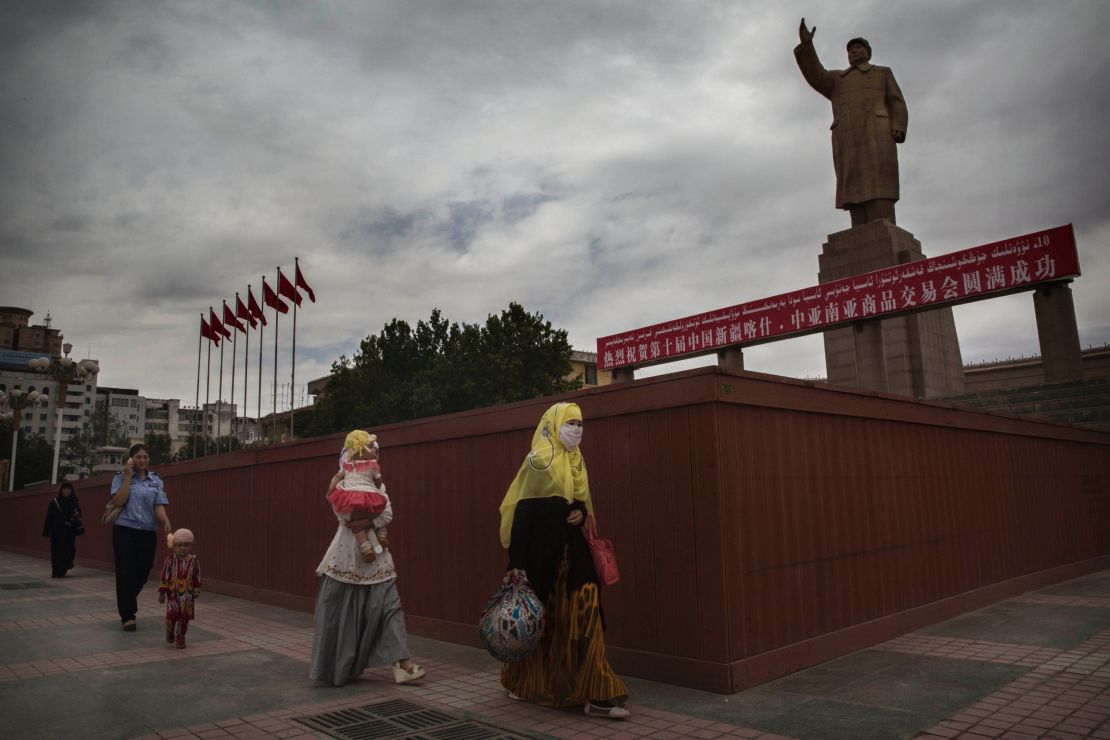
(357, 491)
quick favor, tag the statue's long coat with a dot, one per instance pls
(867, 105)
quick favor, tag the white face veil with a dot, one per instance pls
(550, 468)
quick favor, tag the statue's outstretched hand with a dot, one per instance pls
(805, 34)
(898, 134)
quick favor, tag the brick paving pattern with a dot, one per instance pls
(1064, 693)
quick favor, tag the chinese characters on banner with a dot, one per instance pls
(981, 272)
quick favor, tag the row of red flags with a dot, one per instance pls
(251, 312)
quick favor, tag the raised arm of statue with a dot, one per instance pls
(806, 35)
(819, 78)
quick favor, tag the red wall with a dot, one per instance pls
(761, 524)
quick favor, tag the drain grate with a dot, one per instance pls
(23, 585)
(400, 719)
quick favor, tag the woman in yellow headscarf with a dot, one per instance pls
(541, 526)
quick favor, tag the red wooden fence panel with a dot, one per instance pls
(761, 524)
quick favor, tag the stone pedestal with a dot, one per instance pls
(1061, 353)
(732, 358)
(921, 350)
(623, 375)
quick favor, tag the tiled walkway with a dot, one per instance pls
(1034, 666)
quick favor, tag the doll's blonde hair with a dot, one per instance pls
(357, 441)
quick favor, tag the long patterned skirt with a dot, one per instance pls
(568, 667)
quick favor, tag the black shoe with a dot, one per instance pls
(129, 625)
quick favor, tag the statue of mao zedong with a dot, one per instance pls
(869, 121)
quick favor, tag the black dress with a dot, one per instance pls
(63, 538)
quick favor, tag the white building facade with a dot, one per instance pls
(78, 405)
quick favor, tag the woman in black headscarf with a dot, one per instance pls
(62, 516)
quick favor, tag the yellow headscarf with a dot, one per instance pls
(549, 469)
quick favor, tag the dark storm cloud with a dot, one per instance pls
(607, 164)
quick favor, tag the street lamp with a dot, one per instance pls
(17, 400)
(63, 371)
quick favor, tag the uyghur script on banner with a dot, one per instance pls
(1006, 266)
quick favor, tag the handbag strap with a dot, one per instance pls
(591, 528)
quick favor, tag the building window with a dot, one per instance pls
(591, 374)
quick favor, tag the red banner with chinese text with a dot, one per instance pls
(1010, 265)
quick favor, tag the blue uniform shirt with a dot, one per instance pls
(138, 512)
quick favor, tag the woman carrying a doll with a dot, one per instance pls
(359, 622)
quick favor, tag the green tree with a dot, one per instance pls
(81, 451)
(441, 367)
(214, 446)
(160, 448)
(34, 457)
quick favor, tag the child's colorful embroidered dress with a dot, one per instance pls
(181, 584)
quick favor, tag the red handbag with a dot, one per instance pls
(605, 558)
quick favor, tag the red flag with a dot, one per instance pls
(217, 327)
(207, 332)
(270, 298)
(254, 308)
(287, 290)
(244, 313)
(230, 320)
(303, 284)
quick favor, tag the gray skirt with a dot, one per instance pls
(357, 627)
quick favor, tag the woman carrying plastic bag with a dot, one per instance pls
(541, 526)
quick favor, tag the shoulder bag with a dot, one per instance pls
(74, 521)
(111, 514)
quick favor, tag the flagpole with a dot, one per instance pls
(246, 357)
(277, 322)
(261, 337)
(293, 366)
(220, 395)
(234, 351)
(207, 389)
(197, 401)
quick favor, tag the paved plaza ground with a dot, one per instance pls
(1037, 665)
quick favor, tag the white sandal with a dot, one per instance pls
(612, 712)
(404, 675)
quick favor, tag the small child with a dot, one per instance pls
(356, 491)
(180, 585)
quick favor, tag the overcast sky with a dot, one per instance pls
(608, 164)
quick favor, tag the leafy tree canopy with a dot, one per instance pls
(223, 444)
(81, 451)
(34, 456)
(160, 448)
(441, 367)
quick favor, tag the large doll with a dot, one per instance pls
(357, 491)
